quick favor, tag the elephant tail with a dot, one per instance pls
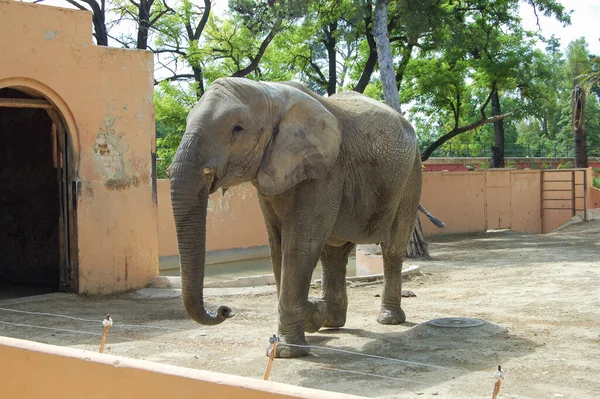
(432, 218)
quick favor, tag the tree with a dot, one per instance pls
(145, 14)
(384, 55)
(578, 63)
(177, 43)
(172, 105)
(324, 47)
(417, 247)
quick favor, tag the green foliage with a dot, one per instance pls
(172, 104)
(545, 165)
(597, 178)
(448, 57)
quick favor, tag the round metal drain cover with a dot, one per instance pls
(456, 322)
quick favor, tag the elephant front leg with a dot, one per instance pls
(296, 273)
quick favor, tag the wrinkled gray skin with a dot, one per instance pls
(330, 173)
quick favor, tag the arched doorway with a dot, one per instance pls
(36, 223)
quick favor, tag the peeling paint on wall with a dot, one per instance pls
(50, 34)
(110, 154)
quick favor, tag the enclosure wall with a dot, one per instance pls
(34, 370)
(466, 201)
(105, 98)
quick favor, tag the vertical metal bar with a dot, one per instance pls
(585, 192)
(542, 199)
(573, 191)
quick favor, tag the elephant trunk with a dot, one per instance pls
(189, 197)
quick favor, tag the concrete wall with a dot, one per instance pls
(502, 199)
(466, 201)
(457, 198)
(105, 97)
(483, 200)
(35, 370)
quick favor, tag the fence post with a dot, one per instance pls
(573, 193)
(585, 175)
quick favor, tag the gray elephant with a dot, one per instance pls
(330, 173)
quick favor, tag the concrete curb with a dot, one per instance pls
(174, 282)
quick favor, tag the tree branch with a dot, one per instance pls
(456, 131)
(76, 4)
(203, 21)
(482, 109)
(175, 77)
(315, 67)
(537, 18)
(263, 47)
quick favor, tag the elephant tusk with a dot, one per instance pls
(206, 171)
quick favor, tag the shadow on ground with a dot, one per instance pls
(411, 360)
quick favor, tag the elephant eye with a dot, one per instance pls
(237, 127)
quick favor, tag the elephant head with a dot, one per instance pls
(275, 135)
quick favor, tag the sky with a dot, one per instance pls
(584, 23)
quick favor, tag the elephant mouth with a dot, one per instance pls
(214, 185)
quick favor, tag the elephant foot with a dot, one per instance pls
(316, 314)
(336, 317)
(299, 349)
(391, 316)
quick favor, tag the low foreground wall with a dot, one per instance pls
(34, 370)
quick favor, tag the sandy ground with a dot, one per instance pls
(538, 293)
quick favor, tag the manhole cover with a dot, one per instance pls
(456, 322)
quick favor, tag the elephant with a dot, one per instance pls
(330, 173)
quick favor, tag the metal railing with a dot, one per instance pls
(470, 150)
(566, 176)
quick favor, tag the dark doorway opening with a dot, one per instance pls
(32, 232)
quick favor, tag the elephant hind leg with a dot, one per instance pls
(393, 253)
(334, 260)
(391, 310)
(394, 249)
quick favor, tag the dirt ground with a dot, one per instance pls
(538, 293)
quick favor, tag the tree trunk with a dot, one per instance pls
(144, 24)
(330, 45)
(199, 78)
(365, 77)
(417, 247)
(498, 148)
(384, 55)
(578, 121)
(98, 20)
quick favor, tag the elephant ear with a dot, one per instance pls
(305, 146)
